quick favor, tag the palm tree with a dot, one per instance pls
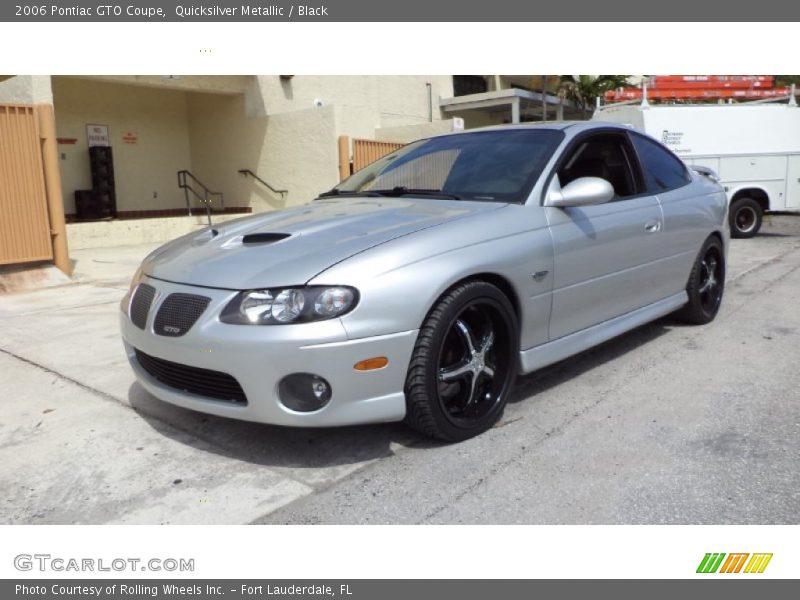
(583, 89)
(787, 80)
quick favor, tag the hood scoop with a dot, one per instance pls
(293, 246)
(252, 239)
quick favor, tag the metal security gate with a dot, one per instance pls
(24, 223)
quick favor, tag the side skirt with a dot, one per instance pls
(571, 344)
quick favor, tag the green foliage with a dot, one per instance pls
(787, 80)
(583, 89)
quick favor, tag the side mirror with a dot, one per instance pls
(584, 191)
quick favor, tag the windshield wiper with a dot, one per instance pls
(335, 192)
(401, 190)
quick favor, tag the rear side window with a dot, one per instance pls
(662, 170)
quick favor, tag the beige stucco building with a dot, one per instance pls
(263, 142)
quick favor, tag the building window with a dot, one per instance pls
(464, 85)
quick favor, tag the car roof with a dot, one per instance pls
(551, 125)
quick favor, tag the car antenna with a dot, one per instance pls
(213, 231)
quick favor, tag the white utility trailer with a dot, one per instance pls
(754, 147)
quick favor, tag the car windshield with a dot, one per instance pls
(498, 165)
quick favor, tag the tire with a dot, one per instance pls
(745, 216)
(706, 284)
(464, 363)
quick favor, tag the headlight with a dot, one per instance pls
(289, 305)
(256, 305)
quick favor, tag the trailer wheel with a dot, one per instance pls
(745, 218)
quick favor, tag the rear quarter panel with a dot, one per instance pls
(691, 214)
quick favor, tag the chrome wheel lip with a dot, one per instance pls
(751, 215)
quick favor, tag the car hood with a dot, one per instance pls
(292, 246)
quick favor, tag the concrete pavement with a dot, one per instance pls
(666, 424)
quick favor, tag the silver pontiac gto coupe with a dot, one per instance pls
(421, 286)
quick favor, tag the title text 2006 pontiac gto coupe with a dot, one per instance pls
(418, 288)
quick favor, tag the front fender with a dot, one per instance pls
(400, 281)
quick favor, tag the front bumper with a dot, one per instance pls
(258, 357)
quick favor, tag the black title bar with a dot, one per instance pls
(535, 11)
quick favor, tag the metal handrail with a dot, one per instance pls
(185, 181)
(247, 172)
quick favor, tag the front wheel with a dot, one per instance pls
(745, 218)
(706, 284)
(464, 363)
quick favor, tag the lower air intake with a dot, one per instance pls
(203, 382)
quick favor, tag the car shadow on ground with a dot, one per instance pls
(271, 445)
(549, 377)
(317, 448)
(771, 234)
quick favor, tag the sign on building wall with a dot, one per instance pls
(97, 135)
(131, 137)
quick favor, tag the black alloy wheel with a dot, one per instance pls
(706, 284)
(464, 363)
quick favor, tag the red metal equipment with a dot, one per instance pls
(703, 87)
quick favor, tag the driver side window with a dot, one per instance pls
(605, 156)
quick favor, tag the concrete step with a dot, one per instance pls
(21, 278)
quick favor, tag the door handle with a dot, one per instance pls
(652, 226)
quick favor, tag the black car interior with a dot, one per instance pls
(601, 156)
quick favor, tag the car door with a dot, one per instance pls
(606, 256)
(686, 218)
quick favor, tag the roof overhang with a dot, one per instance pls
(516, 100)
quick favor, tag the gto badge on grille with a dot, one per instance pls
(171, 329)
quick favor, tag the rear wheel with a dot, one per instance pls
(464, 363)
(706, 284)
(745, 218)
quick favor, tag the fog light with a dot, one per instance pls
(304, 392)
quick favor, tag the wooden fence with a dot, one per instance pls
(24, 222)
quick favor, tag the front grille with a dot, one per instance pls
(140, 304)
(178, 313)
(203, 382)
